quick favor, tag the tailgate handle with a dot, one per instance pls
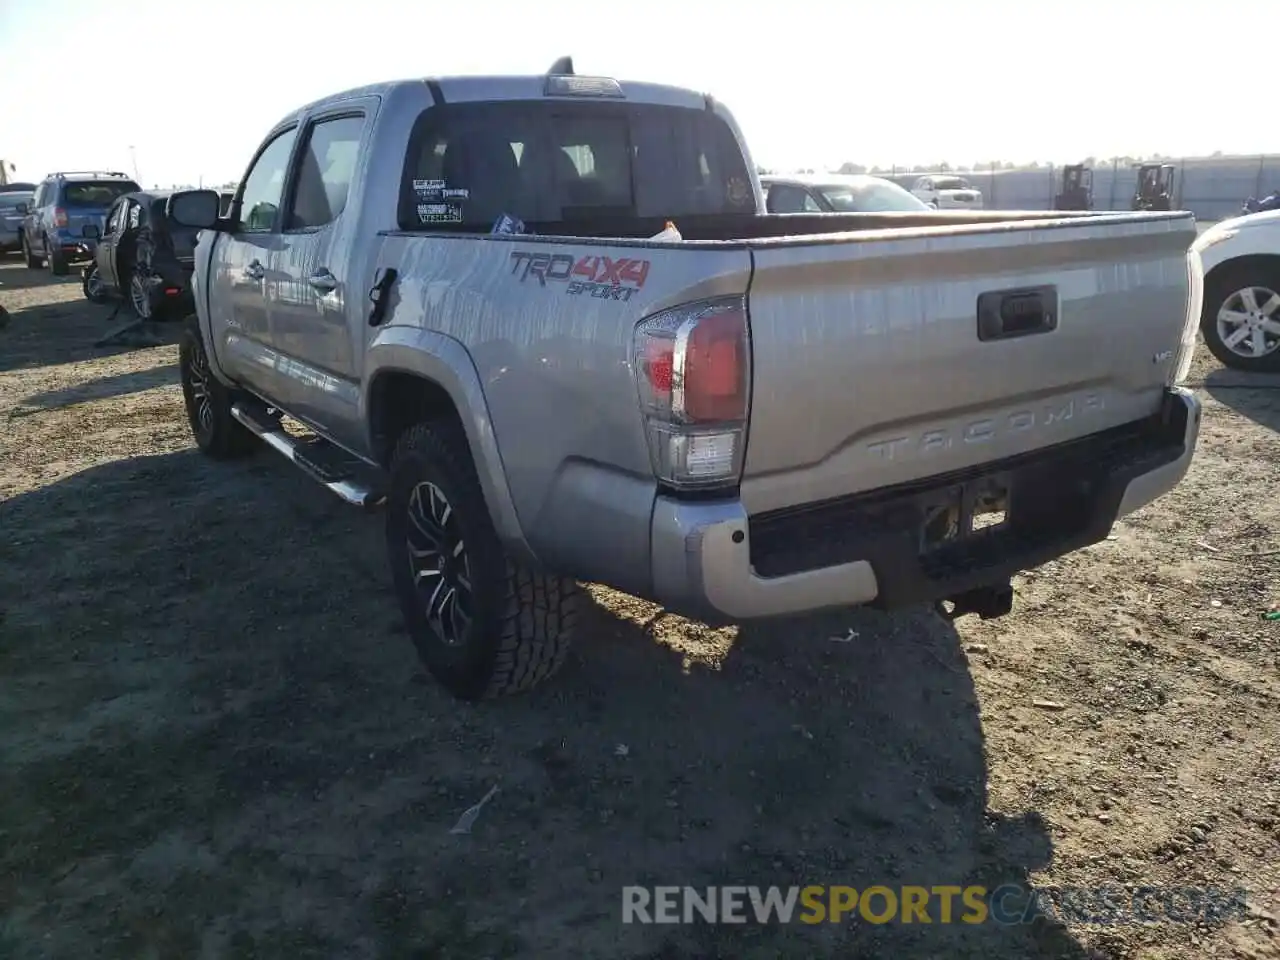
(1004, 314)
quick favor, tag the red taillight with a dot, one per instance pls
(692, 367)
(171, 291)
(657, 364)
(715, 368)
(59, 217)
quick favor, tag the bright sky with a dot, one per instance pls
(188, 89)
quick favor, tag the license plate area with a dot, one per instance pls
(965, 512)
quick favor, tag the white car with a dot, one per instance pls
(948, 193)
(835, 193)
(1240, 316)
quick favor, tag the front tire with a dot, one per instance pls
(483, 625)
(95, 291)
(1241, 317)
(208, 402)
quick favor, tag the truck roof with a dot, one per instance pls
(504, 88)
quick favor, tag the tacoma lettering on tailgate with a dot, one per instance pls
(1031, 419)
(605, 278)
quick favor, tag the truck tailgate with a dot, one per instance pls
(874, 365)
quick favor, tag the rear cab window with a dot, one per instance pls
(554, 161)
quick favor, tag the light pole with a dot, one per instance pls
(133, 157)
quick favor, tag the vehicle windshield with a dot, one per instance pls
(96, 193)
(873, 196)
(950, 183)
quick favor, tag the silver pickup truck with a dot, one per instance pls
(764, 415)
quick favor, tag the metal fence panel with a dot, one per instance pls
(1211, 187)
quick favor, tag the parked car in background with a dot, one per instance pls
(55, 227)
(948, 193)
(144, 256)
(15, 198)
(1240, 318)
(836, 193)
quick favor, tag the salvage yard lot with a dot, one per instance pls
(217, 741)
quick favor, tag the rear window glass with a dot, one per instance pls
(96, 193)
(470, 163)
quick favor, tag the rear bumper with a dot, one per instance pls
(714, 561)
(75, 247)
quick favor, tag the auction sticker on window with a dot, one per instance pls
(439, 202)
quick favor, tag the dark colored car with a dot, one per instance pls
(144, 256)
(56, 225)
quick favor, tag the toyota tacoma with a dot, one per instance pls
(546, 323)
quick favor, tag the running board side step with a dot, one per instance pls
(336, 473)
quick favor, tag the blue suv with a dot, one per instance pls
(57, 226)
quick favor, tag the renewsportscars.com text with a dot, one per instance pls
(944, 904)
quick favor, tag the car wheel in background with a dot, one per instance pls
(33, 262)
(1241, 316)
(140, 295)
(57, 259)
(95, 290)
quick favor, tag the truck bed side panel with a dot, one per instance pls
(551, 342)
(869, 371)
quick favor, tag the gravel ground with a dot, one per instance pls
(217, 741)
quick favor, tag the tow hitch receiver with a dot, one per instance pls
(987, 602)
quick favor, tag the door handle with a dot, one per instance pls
(1004, 314)
(255, 271)
(323, 281)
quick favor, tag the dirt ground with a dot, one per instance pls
(217, 742)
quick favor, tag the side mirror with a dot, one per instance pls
(23, 209)
(92, 232)
(194, 208)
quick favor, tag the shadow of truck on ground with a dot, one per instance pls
(217, 738)
(1255, 395)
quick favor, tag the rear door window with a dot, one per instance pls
(550, 161)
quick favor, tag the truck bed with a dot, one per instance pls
(869, 368)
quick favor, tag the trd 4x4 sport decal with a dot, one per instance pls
(605, 278)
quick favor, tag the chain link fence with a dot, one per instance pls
(1213, 188)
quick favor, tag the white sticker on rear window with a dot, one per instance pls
(439, 213)
(435, 190)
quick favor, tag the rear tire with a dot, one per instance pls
(1243, 291)
(208, 402)
(33, 262)
(140, 295)
(483, 625)
(58, 265)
